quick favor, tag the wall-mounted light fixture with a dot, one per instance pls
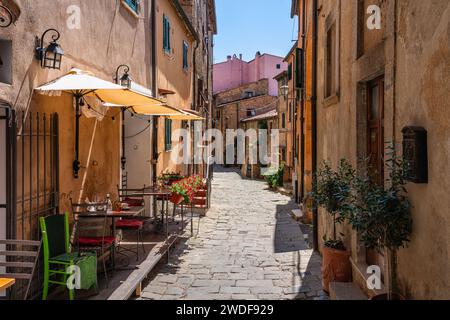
(50, 56)
(125, 79)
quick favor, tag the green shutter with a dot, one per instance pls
(166, 33)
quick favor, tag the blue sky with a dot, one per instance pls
(248, 26)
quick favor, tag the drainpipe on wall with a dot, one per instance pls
(314, 118)
(154, 90)
(155, 118)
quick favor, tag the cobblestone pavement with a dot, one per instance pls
(247, 247)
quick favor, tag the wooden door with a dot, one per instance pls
(375, 147)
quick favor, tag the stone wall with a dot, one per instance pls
(416, 87)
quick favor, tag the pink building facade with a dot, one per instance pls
(236, 72)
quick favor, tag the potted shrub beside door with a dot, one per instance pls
(382, 217)
(332, 191)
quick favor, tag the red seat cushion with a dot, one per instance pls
(129, 224)
(134, 202)
(96, 241)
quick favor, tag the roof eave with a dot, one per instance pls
(185, 19)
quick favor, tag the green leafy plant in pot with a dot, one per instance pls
(274, 176)
(382, 216)
(332, 191)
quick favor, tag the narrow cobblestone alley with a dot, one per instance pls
(247, 247)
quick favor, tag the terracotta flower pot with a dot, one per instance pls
(200, 193)
(336, 266)
(176, 198)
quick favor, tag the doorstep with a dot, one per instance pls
(346, 291)
(284, 191)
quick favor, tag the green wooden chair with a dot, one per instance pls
(57, 255)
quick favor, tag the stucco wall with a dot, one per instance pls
(109, 36)
(235, 72)
(172, 76)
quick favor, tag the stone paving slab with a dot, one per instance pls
(248, 247)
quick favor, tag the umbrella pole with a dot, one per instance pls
(123, 159)
(76, 162)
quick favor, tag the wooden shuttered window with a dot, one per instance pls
(166, 34)
(299, 69)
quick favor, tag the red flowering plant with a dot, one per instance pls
(188, 187)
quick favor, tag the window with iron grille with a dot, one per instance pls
(168, 134)
(133, 4)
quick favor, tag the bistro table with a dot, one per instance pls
(113, 215)
(6, 283)
(163, 194)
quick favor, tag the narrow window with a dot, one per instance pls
(168, 134)
(166, 34)
(185, 55)
(283, 120)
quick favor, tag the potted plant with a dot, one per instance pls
(186, 188)
(274, 176)
(382, 217)
(332, 191)
(168, 178)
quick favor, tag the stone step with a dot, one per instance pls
(297, 214)
(346, 291)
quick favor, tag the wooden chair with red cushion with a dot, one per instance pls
(134, 198)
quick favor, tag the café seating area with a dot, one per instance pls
(92, 251)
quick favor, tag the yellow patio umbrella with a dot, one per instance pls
(80, 83)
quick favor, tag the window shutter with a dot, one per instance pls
(164, 32)
(168, 134)
(168, 35)
(299, 69)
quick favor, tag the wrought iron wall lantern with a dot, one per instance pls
(125, 79)
(50, 56)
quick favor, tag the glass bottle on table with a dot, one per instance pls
(109, 206)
